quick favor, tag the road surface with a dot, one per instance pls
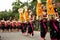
(19, 36)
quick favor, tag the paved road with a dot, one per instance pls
(19, 36)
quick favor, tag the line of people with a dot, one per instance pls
(27, 27)
(13, 26)
(52, 23)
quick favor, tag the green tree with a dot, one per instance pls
(16, 6)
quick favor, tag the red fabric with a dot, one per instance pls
(43, 23)
(44, 26)
(57, 14)
(13, 24)
(55, 26)
(32, 28)
(44, 15)
(18, 23)
(54, 39)
(22, 24)
(6, 24)
(0, 24)
(31, 19)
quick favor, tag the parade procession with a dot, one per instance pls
(47, 17)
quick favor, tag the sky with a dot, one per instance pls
(7, 4)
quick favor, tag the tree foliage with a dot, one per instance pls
(18, 4)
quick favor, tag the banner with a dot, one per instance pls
(50, 8)
(21, 17)
(26, 16)
(39, 10)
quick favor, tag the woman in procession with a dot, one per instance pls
(18, 25)
(41, 13)
(43, 24)
(29, 26)
(2, 25)
(21, 16)
(58, 28)
(13, 24)
(53, 24)
(8, 25)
